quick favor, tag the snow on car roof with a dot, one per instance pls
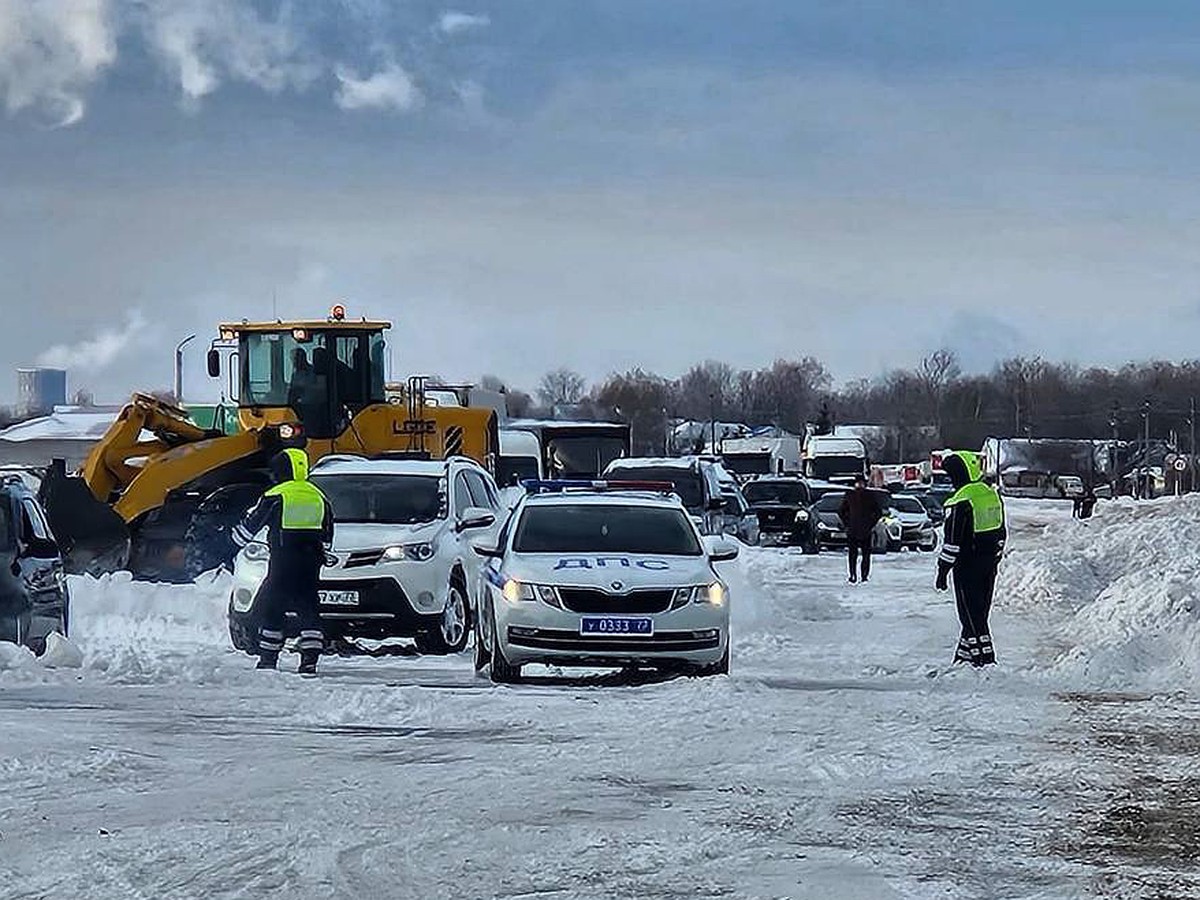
(655, 462)
(356, 466)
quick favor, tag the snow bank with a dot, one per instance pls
(135, 632)
(1120, 593)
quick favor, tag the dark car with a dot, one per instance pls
(782, 506)
(33, 594)
(934, 500)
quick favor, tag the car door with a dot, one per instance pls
(39, 562)
(484, 495)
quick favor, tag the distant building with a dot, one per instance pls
(39, 391)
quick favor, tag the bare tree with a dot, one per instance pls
(937, 371)
(561, 387)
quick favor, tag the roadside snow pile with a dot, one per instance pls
(135, 632)
(1128, 584)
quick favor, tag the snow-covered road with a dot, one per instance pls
(841, 759)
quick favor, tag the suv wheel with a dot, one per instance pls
(483, 656)
(454, 627)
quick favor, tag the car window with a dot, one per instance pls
(687, 483)
(608, 528)
(907, 504)
(830, 503)
(734, 504)
(480, 496)
(383, 499)
(462, 493)
(791, 492)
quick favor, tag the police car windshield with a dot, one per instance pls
(382, 499)
(595, 528)
(907, 505)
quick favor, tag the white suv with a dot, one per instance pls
(401, 564)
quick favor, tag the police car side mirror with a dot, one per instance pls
(721, 550)
(488, 551)
(476, 517)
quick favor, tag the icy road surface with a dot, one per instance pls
(840, 760)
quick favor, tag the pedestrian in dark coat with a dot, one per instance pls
(860, 512)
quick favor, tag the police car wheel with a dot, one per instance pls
(454, 628)
(483, 656)
(502, 671)
(720, 667)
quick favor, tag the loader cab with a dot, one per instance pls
(319, 374)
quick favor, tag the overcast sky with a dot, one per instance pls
(601, 183)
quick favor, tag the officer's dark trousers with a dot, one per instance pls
(974, 584)
(290, 586)
(855, 547)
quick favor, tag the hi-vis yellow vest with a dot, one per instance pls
(303, 502)
(987, 510)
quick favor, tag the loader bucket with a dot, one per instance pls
(92, 537)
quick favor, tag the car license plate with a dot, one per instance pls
(338, 598)
(605, 625)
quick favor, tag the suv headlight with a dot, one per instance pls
(422, 552)
(714, 594)
(256, 551)
(517, 592)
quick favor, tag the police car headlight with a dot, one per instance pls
(715, 594)
(802, 515)
(422, 552)
(256, 552)
(514, 591)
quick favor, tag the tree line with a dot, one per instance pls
(930, 405)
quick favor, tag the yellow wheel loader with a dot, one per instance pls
(159, 495)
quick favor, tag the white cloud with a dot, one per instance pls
(100, 351)
(50, 51)
(458, 22)
(207, 42)
(389, 88)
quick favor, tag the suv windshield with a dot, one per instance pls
(793, 493)
(748, 463)
(687, 482)
(382, 499)
(832, 466)
(830, 502)
(907, 504)
(595, 528)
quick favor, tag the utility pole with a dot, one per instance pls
(1114, 456)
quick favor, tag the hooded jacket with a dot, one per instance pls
(294, 511)
(975, 529)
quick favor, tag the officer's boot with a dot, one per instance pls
(267, 660)
(308, 662)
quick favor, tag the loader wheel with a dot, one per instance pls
(207, 539)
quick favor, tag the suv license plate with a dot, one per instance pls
(338, 598)
(606, 625)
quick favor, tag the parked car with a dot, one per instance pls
(782, 505)
(831, 532)
(603, 576)
(401, 564)
(736, 517)
(696, 481)
(917, 531)
(34, 600)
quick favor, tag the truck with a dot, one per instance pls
(837, 459)
(747, 457)
(576, 449)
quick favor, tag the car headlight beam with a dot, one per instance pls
(421, 552)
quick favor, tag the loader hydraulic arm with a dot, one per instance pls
(113, 462)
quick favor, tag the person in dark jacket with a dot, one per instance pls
(299, 525)
(974, 543)
(860, 513)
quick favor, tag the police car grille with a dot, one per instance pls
(591, 600)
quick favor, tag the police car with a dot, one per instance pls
(602, 574)
(401, 564)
